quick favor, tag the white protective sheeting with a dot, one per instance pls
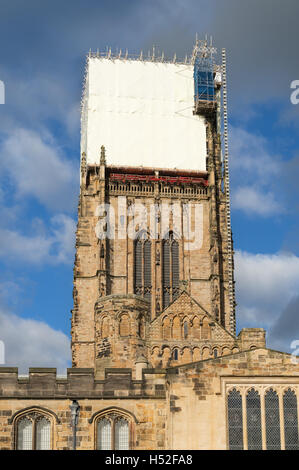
(142, 112)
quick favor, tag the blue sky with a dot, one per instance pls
(42, 57)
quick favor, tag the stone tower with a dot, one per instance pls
(152, 266)
(156, 362)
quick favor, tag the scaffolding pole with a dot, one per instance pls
(231, 286)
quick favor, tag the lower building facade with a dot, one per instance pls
(245, 400)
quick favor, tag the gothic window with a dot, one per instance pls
(113, 432)
(25, 426)
(33, 432)
(290, 420)
(143, 266)
(235, 420)
(273, 423)
(104, 434)
(272, 420)
(170, 269)
(254, 432)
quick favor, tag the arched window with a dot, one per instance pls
(290, 420)
(175, 354)
(170, 269)
(254, 431)
(113, 432)
(25, 433)
(104, 434)
(33, 432)
(121, 434)
(143, 266)
(43, 433)
(235, 420)
(272, 420)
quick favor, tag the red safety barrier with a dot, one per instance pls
(165, 179)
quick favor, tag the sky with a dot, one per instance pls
(42, 57)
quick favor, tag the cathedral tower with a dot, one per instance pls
(156, 361)
(153, 218)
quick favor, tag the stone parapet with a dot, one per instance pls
(79, 383)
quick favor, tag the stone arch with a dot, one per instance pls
(186, 328)
(225, 350)
(186, 355)
(166, 328)
(166, 356)
(114, 409)
(205, 329)
(105, 327)
(205, 352)
(124, 325)
(196, 354)
(235, 350)
(233, 388)
(289, 387)
(33, 409)
(176, 328)
(196, 328)
(215, 352)
(155, 356)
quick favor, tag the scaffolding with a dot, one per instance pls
(204, 85)
(230, 259)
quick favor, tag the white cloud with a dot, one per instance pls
(249, 154)
(253, 201)
(38, 168)
(266, 284)
(55, 245)
(253, 171)
(31, 343)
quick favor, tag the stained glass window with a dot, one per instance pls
(143, 266)
(104, 434)
(121, 434)
(272, 420)
(113, 433)
(290, 420)
(34, 432)
(25, 426)
(254, 431)
(43, 434)
(170, 269)
(235, 420)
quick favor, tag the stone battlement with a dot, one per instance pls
(79, 382)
